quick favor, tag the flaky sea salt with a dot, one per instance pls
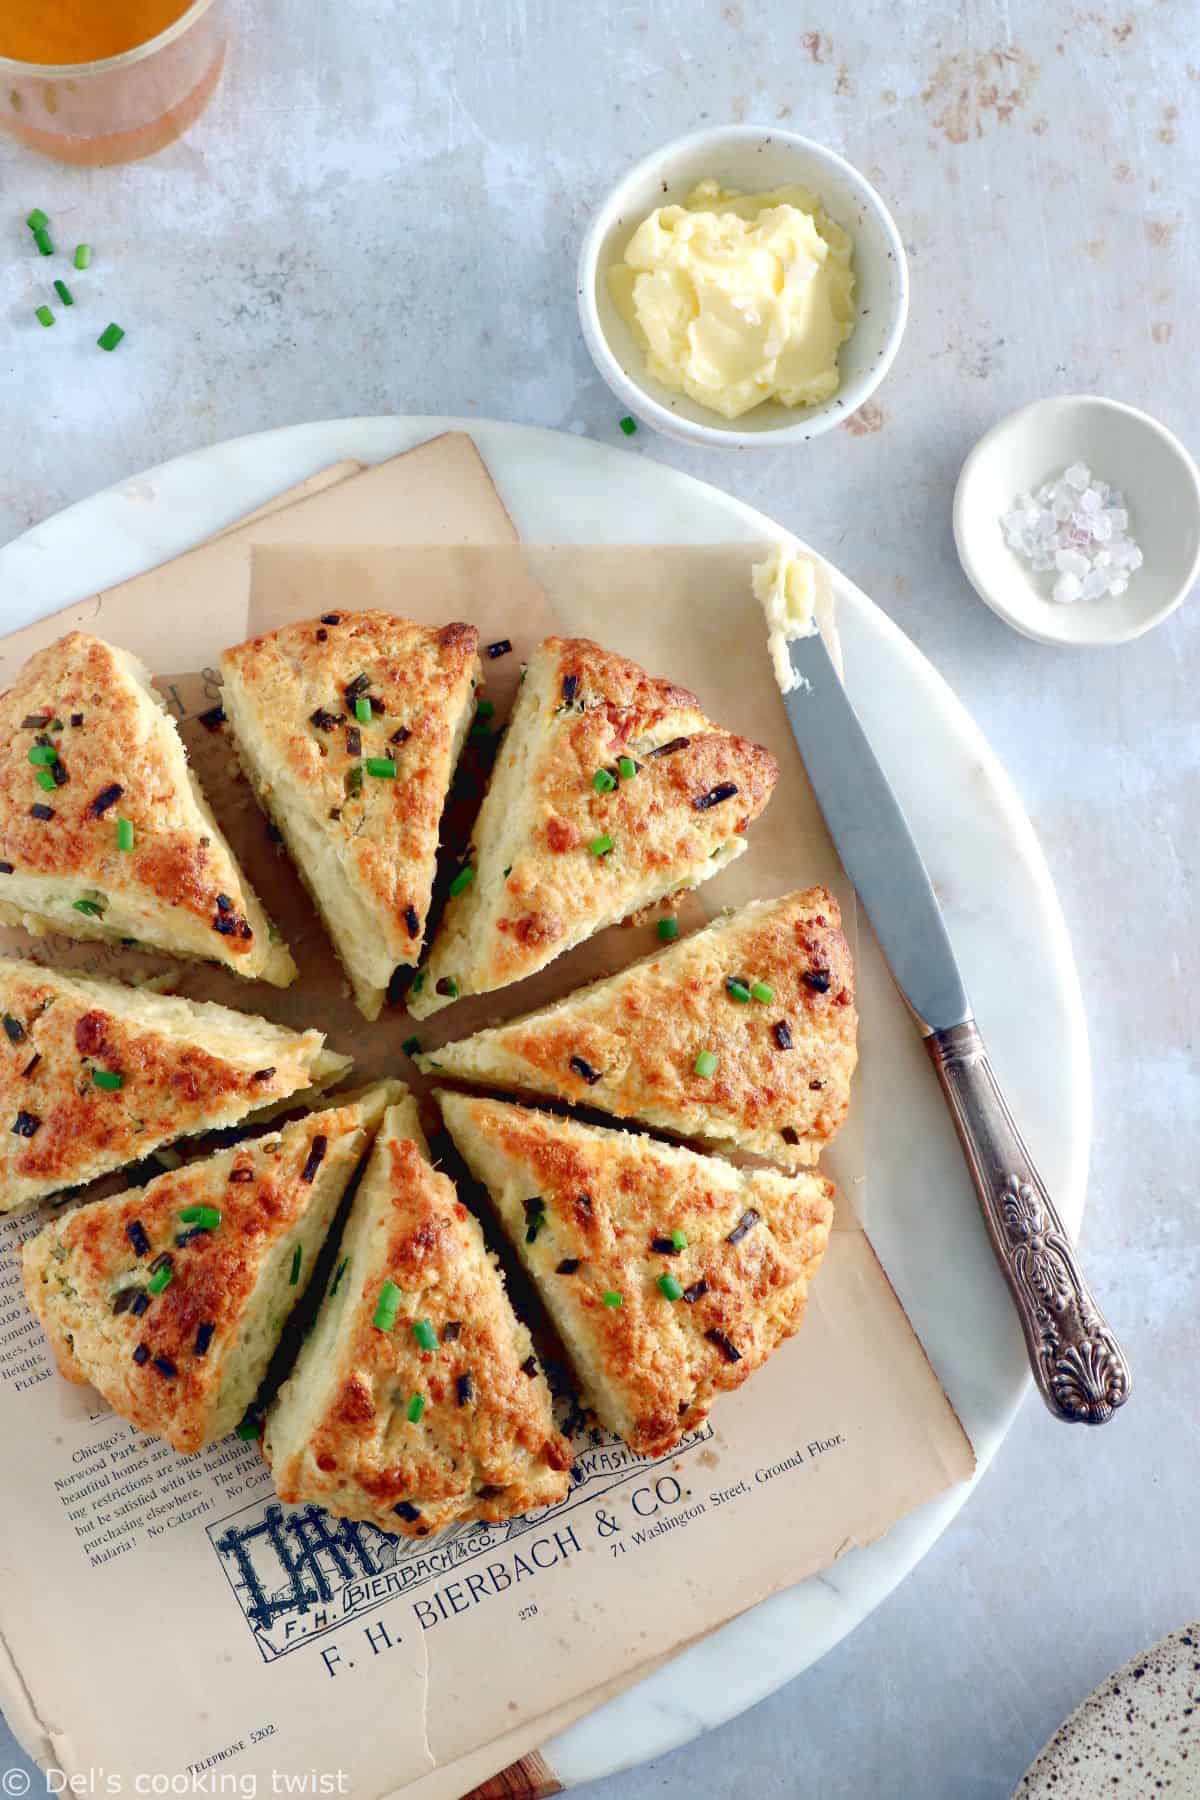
(1077, 528)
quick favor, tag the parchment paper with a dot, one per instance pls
(163, 1614)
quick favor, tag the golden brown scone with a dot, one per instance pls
(342, 1434)
(655, 1325)
(94, 1075)
(365, 843)
(184, 1360)
(628, 1045)
(104, 750)
(544, 876)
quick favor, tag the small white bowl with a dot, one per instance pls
(752, 159)
(1131, 452)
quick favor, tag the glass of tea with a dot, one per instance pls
(106, 81)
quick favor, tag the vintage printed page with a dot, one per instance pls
(166, 1614)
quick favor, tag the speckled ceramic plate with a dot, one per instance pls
(1137, 1735)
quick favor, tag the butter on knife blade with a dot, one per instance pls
(785, 585)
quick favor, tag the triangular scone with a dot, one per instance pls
(94, 1075)
(416, 1401)
(170, 1299)
(104, 832)
(611, 789)
(768, 992)
(669, 1275)
(357, 799)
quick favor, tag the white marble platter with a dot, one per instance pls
(986, 865)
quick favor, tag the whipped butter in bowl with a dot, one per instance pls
(741, 287)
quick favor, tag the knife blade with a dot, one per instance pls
(877, 848)
(1077, 1363)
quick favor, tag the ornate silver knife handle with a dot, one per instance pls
(1079, 1367)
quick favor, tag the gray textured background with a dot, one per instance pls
(380, 213)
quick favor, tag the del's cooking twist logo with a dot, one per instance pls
(296, 1572)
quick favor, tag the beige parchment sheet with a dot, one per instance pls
(201, 1621)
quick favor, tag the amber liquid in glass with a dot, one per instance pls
(80, 31)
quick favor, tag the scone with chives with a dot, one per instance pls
(349, 728)
(670, 1276)
(612, 789)
(104, 831)
(417, 1400)
(741, 1037)
(95, 1075)
(171, 1299)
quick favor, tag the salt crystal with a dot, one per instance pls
(1118, 585)
(1102, 527)
(1067, 588)
(1078, 475)
(1089, 500)
(1075, 529)
(1094, 584)
(1117, 517)
(1071, 562)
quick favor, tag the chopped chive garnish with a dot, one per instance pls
(762, 992)
(628, 425)
(90, 907)
(44, 316)
(381, 766)
(362, 710)
(446, 985)
(160, 1279)
(627, 767)
(705, 1063)
(110, 337)
(337, 1279)
(535, 1217)
(386, 1307)
(425, 1335)
(612, 1298)
(108, 1078)
(64, 293)
(451, 1331)
(206, 1217)
(83, 256)
(354, 780)
(679, 1239)
(669, 1288)
(462, 881)
(417, 982)
(249, 1428)
(600, 846)
(416, 1407)
(603, 782)
(124, 834)
(45, 780)
(297, 1259)
(485, 709)
(410, 1046)
(37, 220)
(737, 990)
(42, 754)
(501, 647)
(668, 929)
(41, 238)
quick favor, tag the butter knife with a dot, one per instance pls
(1079, 1367)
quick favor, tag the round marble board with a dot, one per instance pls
(988, 871)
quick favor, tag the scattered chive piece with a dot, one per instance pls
(669, 1288)
(42, 753)
(603, 782)
(297, 1259)
(354, 780)
(628, 425)
(417, 982)
(600, 846)
(737, 990)
(362, 710)
(425, 1335)
(124, 834)
(37, 220)
(627, 767)
(108, 1078)
(612, 1298)
(89, 907)
(249, 1428)
(668, 929)
(447, 985)
(64, 293)
(44, 316)
(485, 709)
(410, 1046)
(341, 1270)
(416, 1407)
(41, 238)
(381, 766)
(535, 1217)
(83, 256)
(386, 1307)
(206, 1217)
(679, 1239)
(705, 1063)
(160, 1279)
(462, 881)
(762, 992)
(110, 337)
